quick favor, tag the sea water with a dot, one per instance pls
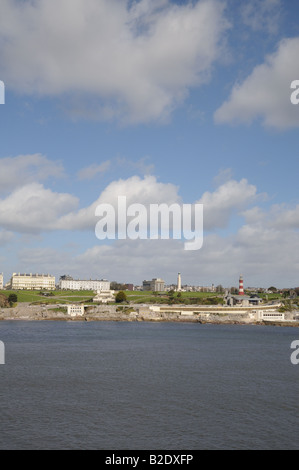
(135, 385)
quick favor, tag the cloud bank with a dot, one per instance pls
(266, 92)
(131, 61)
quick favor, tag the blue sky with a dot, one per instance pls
(161, 101)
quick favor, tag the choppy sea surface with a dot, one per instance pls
(119, 386)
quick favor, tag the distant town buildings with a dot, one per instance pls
(155, 285)
(187, 288)
(242, 300)
(68, 283)
(31, 282)
(1, 281)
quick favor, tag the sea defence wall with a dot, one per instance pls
(154, 313)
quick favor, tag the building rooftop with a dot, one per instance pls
(31, 275)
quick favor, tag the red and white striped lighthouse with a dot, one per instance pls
(241, 287)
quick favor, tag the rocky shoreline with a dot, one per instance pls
(29, 312)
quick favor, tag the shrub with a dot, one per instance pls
(12, 298)
(120, 297)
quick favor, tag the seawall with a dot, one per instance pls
(140, 313)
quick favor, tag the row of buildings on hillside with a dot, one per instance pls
(47, 282)
(69, 283)
(19, 281)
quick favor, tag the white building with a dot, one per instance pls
(1, 281)
(271, 315)
(75, 310)
(104, 296)
(32, 282)
(68, 283)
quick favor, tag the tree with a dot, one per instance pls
(171, 294)
(120, 297)
(12, 298)
(117, 286)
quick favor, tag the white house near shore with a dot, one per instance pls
(75, 310)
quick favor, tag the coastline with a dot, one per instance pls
(133, 313)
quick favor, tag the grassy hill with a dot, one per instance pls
(55, 297)
(137, 297)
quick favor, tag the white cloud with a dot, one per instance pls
(262, 15)
(264, 248)
(266, 92)
(23, 169)
(229, 198)
(264, 256)
(138, 190)
(34, 209)
(136, 64)
(94, 170)
(280, 217)
(285, 217)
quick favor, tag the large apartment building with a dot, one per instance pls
(32, 282)
(155, 285)
(68, 283)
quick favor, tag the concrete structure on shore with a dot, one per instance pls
(266, 314)
(270, 315)
(31, 282)
(75, 310)
(247, 314)
(242, 300)
(155, 285)
(68, 283)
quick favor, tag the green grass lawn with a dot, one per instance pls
(66, 297)
(58, 297)
(137, 297)
(151, 297)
